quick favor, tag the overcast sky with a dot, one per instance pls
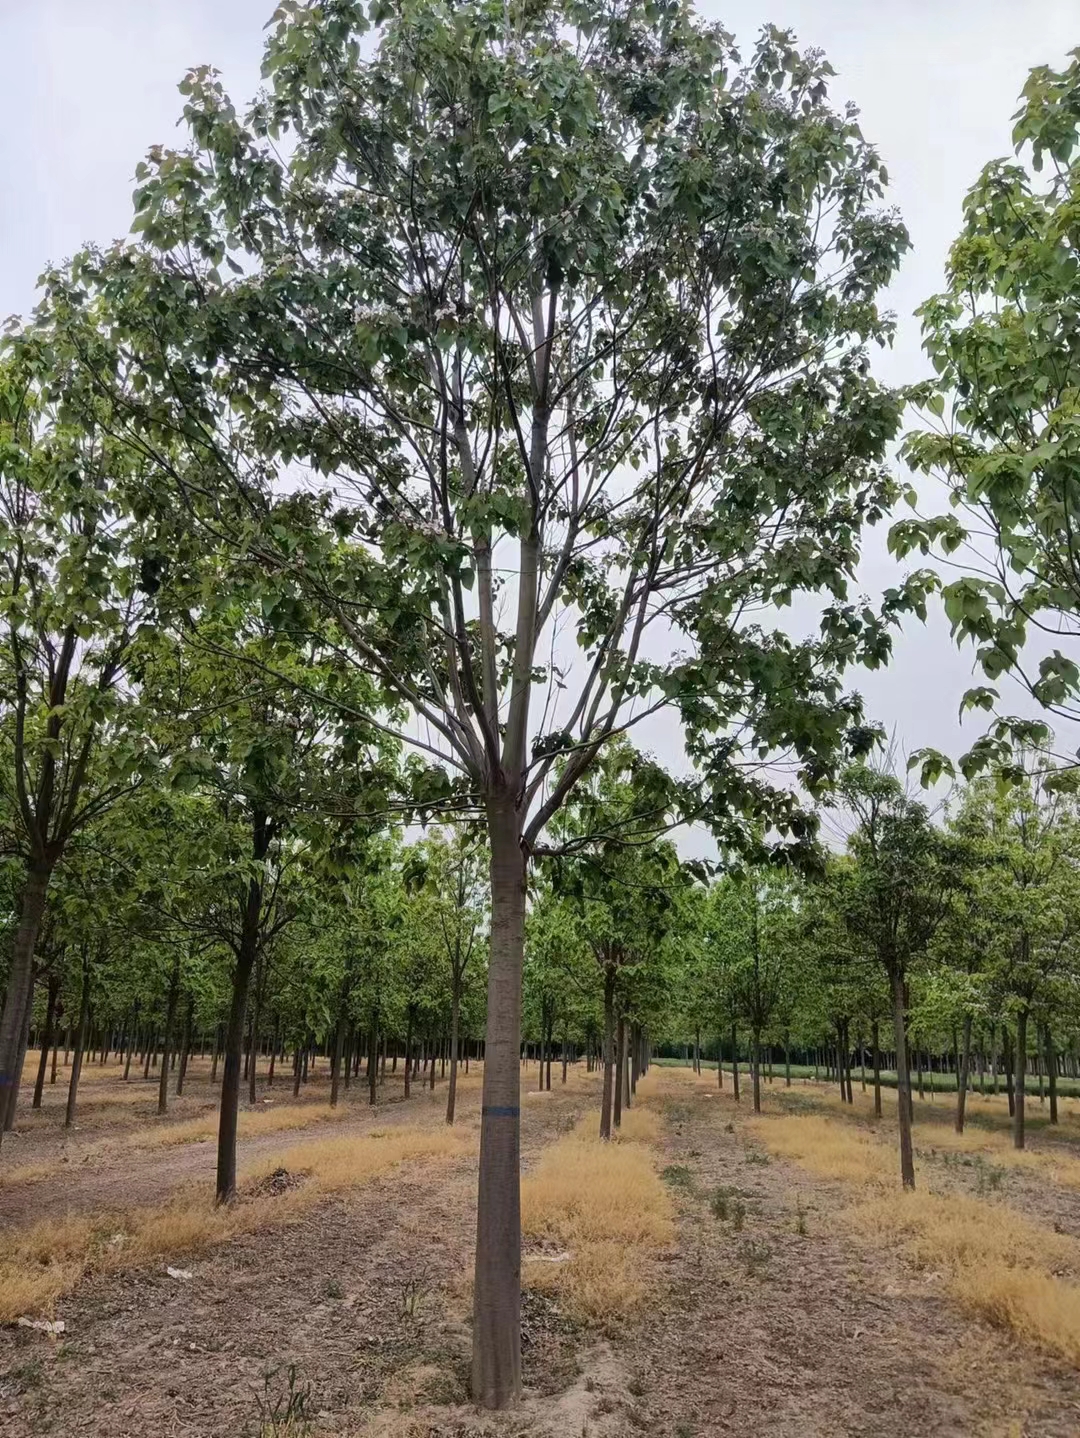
(89, 85)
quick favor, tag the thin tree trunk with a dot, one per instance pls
(875, 1039)
(620, 1067)
(338, 1054)
(607, 1094)
(1051, 1073)
(755, 1070)
(47, 1038)
(246, 954)
(80, 1043)
(903, 1080)
(455, 1010)
(186, 1049)
(408, 1051)
(1019, 1084)
(20, 987)
(735, 1062)
(964, 1063)
(373, 1061)
(166, 1040)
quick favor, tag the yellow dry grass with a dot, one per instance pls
(829, 1148)
(995, 1262)
(604, 1207)
(39, 1264)
(250, 1124)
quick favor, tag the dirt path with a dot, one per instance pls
(116, 1173)
(780, 1325)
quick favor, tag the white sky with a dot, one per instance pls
(89, 85)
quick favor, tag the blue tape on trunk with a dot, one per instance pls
(500, 1111)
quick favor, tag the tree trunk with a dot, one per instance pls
(80, 1043)
(166, 1040)
(755, 1070)
(964, 1063)
(246, 953)
(408, 1051)
(455, 1012)
(1051, 1073)
(186, 1048)
(373, 1061)
(20, 986)
(735, 1062)
(875, 1039)
(1007, 1064)
(1018, 1083)
(719, 1062)
(339, 1049)
(496, 1359)
(903, 1080)
(620, 1067)
(47, 1038)
(608, 1090)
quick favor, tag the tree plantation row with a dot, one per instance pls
(494, 385)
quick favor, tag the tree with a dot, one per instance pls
(82, 566)
(567, 309)
(455, 897)
(894, 898)
(1003, 431)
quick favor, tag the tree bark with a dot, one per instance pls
(373, 1061)
(735, 1062)
(408, 1051)
(1019, 1084)
(339, 1048)
(166, 1040)
(47, 1038)
(246, 953)
(755, 1070)
(496, 1362)
(964, 1062)
(185, 1050)
(20, 986)
(903, 1080)
(455, 1013)
(607, 1092)
(80, 1043)
(1051, 1073)
(877, 1068)
(620, 1068)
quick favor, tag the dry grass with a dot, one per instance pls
(988, 1137)
(604, 1207)
(332, 1164)
(995, 1262)
(39, 1264)
(251, 1123)
(29, 1173)
(829, 1148)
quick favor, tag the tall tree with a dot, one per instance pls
(566, 310)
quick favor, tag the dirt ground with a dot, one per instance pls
(352, 1319)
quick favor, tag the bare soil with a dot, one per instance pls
(353, 1318)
